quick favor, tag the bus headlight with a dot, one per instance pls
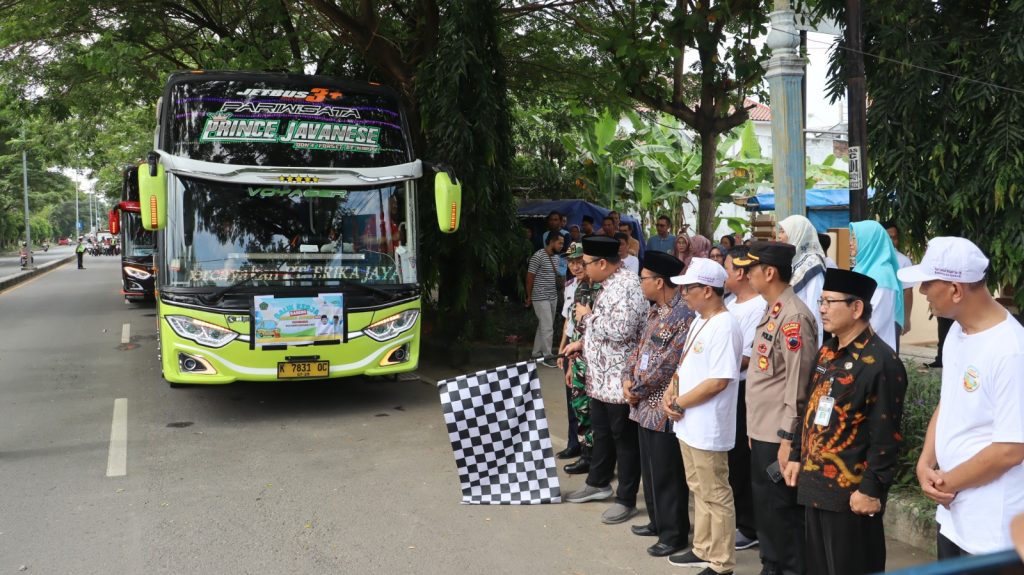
(389, 328)
(200, 331)
(137, 273)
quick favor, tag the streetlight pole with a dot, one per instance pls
(78, 221)
(28, 228)
(785, 73)
(856, 94)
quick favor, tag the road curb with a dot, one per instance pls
(13, 280)
(910, 524)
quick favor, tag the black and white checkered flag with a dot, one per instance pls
(499, 434)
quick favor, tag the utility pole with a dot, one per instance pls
(785, 74)
(28, 227)
(856, 101)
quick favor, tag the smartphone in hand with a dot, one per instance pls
(774, 472)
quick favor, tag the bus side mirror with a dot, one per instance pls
(114, 220)
(448, 197)
(153, 194)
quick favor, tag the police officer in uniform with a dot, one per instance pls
(785, 348)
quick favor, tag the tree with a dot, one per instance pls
(946, 122)
(647, 44)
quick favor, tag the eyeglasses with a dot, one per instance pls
(825, 302)
(586, 263)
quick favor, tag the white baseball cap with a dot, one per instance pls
(950, 259)
(702, 271)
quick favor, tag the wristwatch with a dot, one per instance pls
(675, 407)
(785, 435)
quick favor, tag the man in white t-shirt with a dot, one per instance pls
(703, 406)
(629, 261)
(972, 463)
(747, 306)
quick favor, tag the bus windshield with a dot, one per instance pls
(138, 242)
(276, 121)
(218, 234)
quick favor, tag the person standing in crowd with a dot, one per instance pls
(573, 257)
(663, 240)
(728, 241)
(80, 252)
(616, 218)
(700, 247)
(608, 227)
(703, 406)
(903, 323)
(777, 380)
(826, 242)
(650, 370)
(875, 257)
(575, 234)
(542, 295)
(847, 446)
(681, 249)
(972, 462)
(629, 261)
(556, 225)
(633, 243)
(717, 255)
(808, 265)
(583, 293)
(587, 226)
(747, 306)
(611, 332)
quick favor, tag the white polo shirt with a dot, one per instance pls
(714, 352)
(982, 403)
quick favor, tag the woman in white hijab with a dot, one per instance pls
(808, 264)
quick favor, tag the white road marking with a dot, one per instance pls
(126, 333)
(117, 458)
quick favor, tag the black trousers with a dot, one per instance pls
(946, 549)
(615, 440)
(739, 471)
(665, 490)
(780, 520)
(844, 543)
(79, 254)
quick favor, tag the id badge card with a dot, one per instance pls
(644, 360)
(824, 413)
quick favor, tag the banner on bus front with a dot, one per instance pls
(298, 320)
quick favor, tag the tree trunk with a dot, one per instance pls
(706, 193)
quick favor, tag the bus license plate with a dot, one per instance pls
(298, 369)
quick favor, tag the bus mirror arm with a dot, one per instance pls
(152, 160)
(439, 167)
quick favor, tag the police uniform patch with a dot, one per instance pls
(792, 332)
(766, 335)
(776, 309)
(762, 363)
(762, 348)
(771, 326)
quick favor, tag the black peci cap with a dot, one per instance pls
(776, 254)
(663, 264)
(850, 283)
(600, 246)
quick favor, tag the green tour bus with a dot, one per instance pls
(287, 231)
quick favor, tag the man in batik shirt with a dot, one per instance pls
(844, 456)
(611, 331)
(649, 372)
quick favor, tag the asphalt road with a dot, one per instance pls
(353, 476)
(11, 264)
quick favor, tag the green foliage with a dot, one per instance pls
(946, 142)
(923, 387)
(462, 96)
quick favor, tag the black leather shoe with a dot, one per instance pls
(643, 530)
(569, 452)
(660, 549)
(581, 465)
